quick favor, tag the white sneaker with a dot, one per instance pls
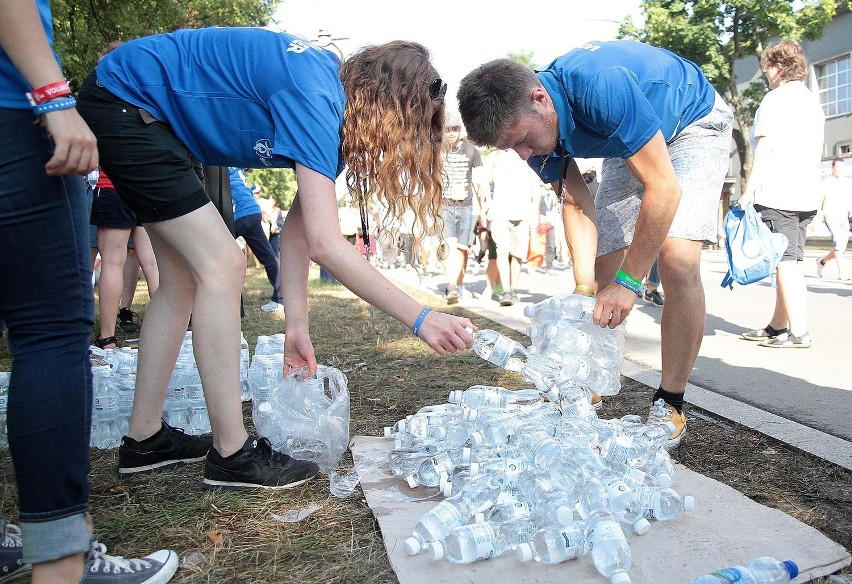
(272, 306)
(844, 277)
(820, 267)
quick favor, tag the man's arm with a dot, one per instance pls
(581, 232)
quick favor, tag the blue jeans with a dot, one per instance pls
(47, 302)
(250, 228)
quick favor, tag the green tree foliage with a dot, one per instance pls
(81, 29)
(281, 183)
(525, 59)
(716, 33)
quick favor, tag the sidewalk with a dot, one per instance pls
(800, 396)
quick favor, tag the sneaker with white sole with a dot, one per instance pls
(156, 568)
(597, 402)
(820, 267)
(272, 306)
(788, 341)
(256, 466)
(662, 413)
(167, 448)
(11, 552)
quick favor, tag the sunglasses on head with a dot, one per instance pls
(437, 88)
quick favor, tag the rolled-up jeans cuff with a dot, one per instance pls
(45, 541)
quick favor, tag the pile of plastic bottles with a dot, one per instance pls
(536, 470)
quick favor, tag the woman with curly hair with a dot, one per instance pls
(249, 97)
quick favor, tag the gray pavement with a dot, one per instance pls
(800, 396)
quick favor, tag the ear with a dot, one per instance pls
(539, 95)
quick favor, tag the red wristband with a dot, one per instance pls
(48, 92)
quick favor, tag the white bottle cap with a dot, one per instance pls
(479, 517)
(664, 480)
(642, 526)
(528, 310)
(689, 503)
(455, 396)
(524, 551)
(476, 439)
(619, 578)
(465, 455)
(388, 431)
(447, 489)
(400, 426)
(436, 549)
(564, 515)
(265, 407)
(670, 427)
(412, 481)
(470, 415)
(474, 469)
(412, 546)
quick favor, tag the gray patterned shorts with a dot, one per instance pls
(700, 155)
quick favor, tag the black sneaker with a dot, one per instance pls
(126, 322)
(256, 466)
(11, 552)
(156, 568)
(655, 297)
(168, 447)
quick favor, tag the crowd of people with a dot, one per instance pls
(151, 125)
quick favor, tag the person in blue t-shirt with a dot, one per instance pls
(665, 135)
(161, 104)
(248, 224)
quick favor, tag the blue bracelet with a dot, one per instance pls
(420, 318)
(55, 105)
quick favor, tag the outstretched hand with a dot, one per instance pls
(446, 333)
(613, 305)
(299, 355)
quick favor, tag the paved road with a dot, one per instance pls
(810, 386)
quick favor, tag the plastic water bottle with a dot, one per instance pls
(436, 523)
(104, 410)
(568, 339)
(5, 377)
(569, 307)
(199, 419)
(758, 571)
(485, 396)
(664, 504)
(552, 503)
(512, 356)
(604, 536)
(430, 471)
(553, 545)
(125, 385)
(265, 374)
(245, 390)
(480, 541)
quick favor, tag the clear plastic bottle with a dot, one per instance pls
(104, 410)
(199, 419)
(551, 502)
(569, 307)
(604, 536)
(486, 396)
(759, 571)
(436, 523)
(264, 376)
(125, 385)
(433, 468)
(480, 541)
(664, 504)
(553, 545)
(512, 356)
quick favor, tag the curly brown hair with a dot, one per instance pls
(392, 132)
(790, 59)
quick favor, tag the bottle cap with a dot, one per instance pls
(412, 481)
(792, 568)
(476, 439)
(619, 578)
(528, 311)
(400, 426)
(564, 515)
(264, 408)
(455, 397)
(470, 415)
(664, 480)
(670, 427)
(412, 546)
(388, 431)
(474, 469)
(642, 526)
(465, 455)
(436, 549)
(524, 550)
(689, 503)
(447, 489)
(479, 517)
(439, 432)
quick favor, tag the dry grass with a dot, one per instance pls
(231, 537)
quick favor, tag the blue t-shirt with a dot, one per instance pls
(612, 97)
(241, 195)
(13, 86)
(245, 97)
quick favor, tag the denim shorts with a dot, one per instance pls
(700, 156)
(153, 171)
(793, 224)
(458, 224)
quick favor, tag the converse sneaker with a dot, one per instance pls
(660, 414)
(788, 341)
(156, 568)
(126, 322)
(256, 466)
(763, 334)
(11, 552)
(168, 447)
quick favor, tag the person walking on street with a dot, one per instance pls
(156, 120)
(836, 210)
(665, 134)
(787, 137)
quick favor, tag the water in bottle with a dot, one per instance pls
(485, 396)
(480, 541)
(759, 571)
(104, 410)
(569, 307)
(553, 545)
(604, 536)
(512, 356)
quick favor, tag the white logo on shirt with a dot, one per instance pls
(299, 46)
(263, 149)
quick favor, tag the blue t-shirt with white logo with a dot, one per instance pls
(244, 97)
(13, 86)
(242, 197)
(612, 97)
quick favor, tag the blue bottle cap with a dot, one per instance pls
(792, 568)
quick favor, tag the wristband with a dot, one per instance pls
(48, 92)
(56, 105)
(420, 318)
(585, 289)
(629, 282)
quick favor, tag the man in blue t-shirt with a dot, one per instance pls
(665, 135)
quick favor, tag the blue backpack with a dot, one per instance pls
(753, 250)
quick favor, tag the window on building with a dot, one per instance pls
(833, 80)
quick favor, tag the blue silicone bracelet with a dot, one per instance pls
(420, 318)
(55, 105)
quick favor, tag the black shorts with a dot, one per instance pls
(109, 210)
(793, 224)
(153, 171)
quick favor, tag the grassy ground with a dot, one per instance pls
(233, 538)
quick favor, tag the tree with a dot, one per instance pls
(715, 34)
(525, 59)
(82, 28)
(281, 183)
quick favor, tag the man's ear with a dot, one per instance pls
(539, 95)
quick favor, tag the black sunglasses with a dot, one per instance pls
(437, 88)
